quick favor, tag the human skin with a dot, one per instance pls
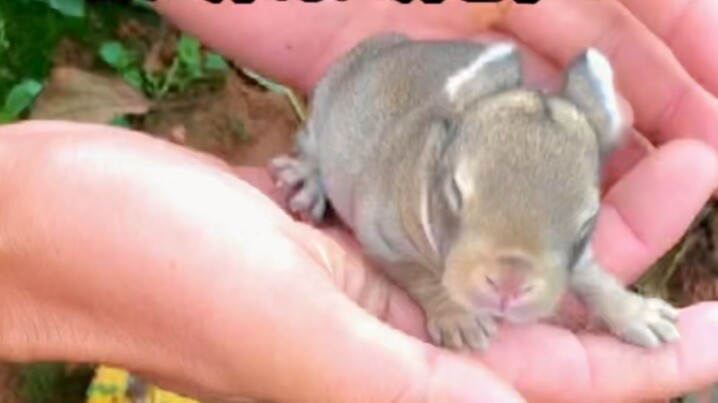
(161, 260)
(123, 249)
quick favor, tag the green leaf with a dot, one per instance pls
(190, 55)
(134, 77)
(153, 83)
(120, 121)
(53, 382)
(116, 55)
(19, 98)
(33, 30)
(70, 8)
(189, 49)
(39, 381)
(145, 4)
(4, 44)
(215, 62)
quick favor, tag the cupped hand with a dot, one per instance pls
(548, 363)
(655, 184)
(126, 250)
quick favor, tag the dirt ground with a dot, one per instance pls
(242, 123)
(8, 384)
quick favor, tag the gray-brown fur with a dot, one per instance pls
(508, 178)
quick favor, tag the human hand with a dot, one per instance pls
(582, 366)
(126, 250)
(673, 97)
(160, 260)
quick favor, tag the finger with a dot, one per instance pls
(686, 26)
(649, 209)
(690, 364)
(667, 102)
(295, 42)
(275, 35)
(603, 367)
(635, 149)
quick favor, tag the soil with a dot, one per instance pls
(238, 120)
(688, 274)
(8, 384)
(242, 123)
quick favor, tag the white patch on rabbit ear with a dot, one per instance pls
(585, 258)
(493, 53)
(600, 69)
(590, 86)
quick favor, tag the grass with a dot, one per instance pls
(30, 31)
(190, 66)
(54, 383)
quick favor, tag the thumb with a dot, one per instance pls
(351, 355)
(375, 363)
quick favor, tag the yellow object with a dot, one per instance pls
(111, 385)
(157, 395)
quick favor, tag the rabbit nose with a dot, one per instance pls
(509, 286)
(511, 280)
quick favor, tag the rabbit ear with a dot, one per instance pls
(590, 86)
(497, 68)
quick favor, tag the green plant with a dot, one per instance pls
(30, 31)
(4, 44)
(123, 61)
(54, 383)
(121, 121)
(70, 8)
(215, 62)
(19, 99)
(190, 65)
